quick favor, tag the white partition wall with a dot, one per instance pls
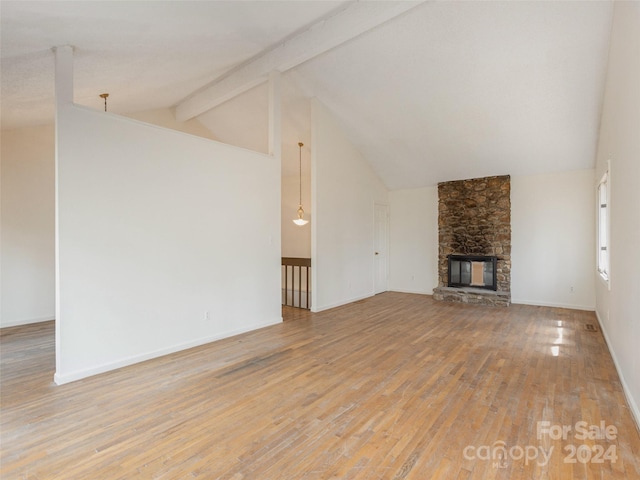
(345, 190)
(165, 241)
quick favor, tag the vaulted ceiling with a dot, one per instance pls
(436, 91)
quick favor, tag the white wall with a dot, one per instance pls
(27, 255)
(27, 252)
(165, 241)
(344, 192)
(619, 142)
(414, 240)
(165, 117)
(552, 240)
(552, 244)
(243, 121)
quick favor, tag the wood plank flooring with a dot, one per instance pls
(393, 387)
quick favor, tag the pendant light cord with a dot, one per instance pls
(300, 221)
(300, 144)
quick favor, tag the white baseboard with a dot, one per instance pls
(61, 379)
(27, 321)
(417, 292)
(633, 405)
(588, 308)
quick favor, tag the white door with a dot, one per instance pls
(381, 248)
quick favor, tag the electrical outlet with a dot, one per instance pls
(206, 315)
(571, 289)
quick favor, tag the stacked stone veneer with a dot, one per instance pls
(474, 218)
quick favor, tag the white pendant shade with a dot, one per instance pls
(300, 220)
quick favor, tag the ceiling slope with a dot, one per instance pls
(469, 89)
(447, 90)
(146, 54)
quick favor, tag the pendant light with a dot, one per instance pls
(300, 221)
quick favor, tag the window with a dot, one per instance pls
(603, 226)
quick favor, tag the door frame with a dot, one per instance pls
(376, 259)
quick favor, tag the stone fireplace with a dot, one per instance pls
(474, 236)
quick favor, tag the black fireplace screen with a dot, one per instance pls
(472, 271)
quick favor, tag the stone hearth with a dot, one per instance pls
(477, 296)
(474, 218)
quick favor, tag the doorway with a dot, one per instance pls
(381, 248)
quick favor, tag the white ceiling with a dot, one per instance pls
(447, 90)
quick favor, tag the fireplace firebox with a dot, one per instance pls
(473, 271)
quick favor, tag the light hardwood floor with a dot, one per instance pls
(393, 387)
